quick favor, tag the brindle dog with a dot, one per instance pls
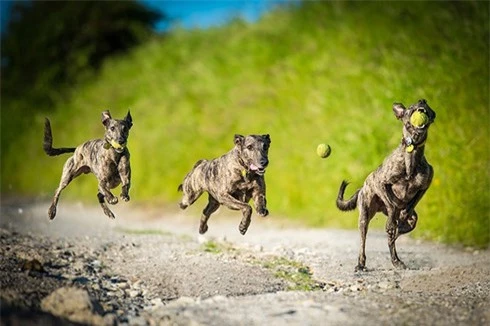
(107, 158)
(231, 180)
(396, 186)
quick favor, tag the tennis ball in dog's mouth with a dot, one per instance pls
(116, 145)
(419, 119)
(323, 150)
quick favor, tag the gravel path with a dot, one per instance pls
(150, 267)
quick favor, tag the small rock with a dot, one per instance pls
(133, 293)
(96, 264)
(73, 304)
(32, 265)
(157, 302)
(123, 285)
(384, 285)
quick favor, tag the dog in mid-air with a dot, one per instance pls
(397, 185)
(231, 180)
(107, 158)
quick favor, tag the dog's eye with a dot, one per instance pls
(112, 128)
(249, 147)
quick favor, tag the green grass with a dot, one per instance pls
(297, 275)
(217, 247)
(326, 72)
(143, 231)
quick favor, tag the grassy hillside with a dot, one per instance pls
(325, 72)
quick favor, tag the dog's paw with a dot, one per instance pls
(399, 264)
(182, 206)
(360, 268)
(125, 197)
(109, 213)
(242, 230)
(52, 212)
(263, 212)
(203, 228)
(112, 200)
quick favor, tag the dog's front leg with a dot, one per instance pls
(258, 196)
(106, 193)
(235, 204)
(124, 169)
(102, 203)
(408, 216)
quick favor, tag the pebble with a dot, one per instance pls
(133, 293)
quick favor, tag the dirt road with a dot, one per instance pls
(152, 268)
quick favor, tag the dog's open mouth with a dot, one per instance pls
(256, 169)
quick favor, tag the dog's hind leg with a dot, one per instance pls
(210, 208)
(392, 231)
(363, 224)
(69, 173)
(102, 203)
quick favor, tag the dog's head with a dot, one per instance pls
(416, 121)
(116, 131)
(253, 151)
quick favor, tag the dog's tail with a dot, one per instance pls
(48, 142)
(346, 205)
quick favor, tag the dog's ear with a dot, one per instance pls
(267, 138)
(238, 139)
(106, 116)
(129, 119)
(399, 110)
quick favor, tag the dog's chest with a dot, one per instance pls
(246, 182)
(106, 167)
(405, 189)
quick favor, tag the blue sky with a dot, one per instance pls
(203, 14)
(195, 13)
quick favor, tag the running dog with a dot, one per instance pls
(231, 180)
(107, 158)
(397, 185)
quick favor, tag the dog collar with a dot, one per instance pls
(410, 145)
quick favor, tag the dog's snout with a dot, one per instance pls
(264, 162)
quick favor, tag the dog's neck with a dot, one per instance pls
(236, 154)
(410, 145)
(413, 154)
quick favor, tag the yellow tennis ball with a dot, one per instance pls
(419, 119)
(323, 150)
(116, 145)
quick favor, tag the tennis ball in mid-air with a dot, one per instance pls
(419, 119)
(323, 150)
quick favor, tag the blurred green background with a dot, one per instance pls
(318, 72)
